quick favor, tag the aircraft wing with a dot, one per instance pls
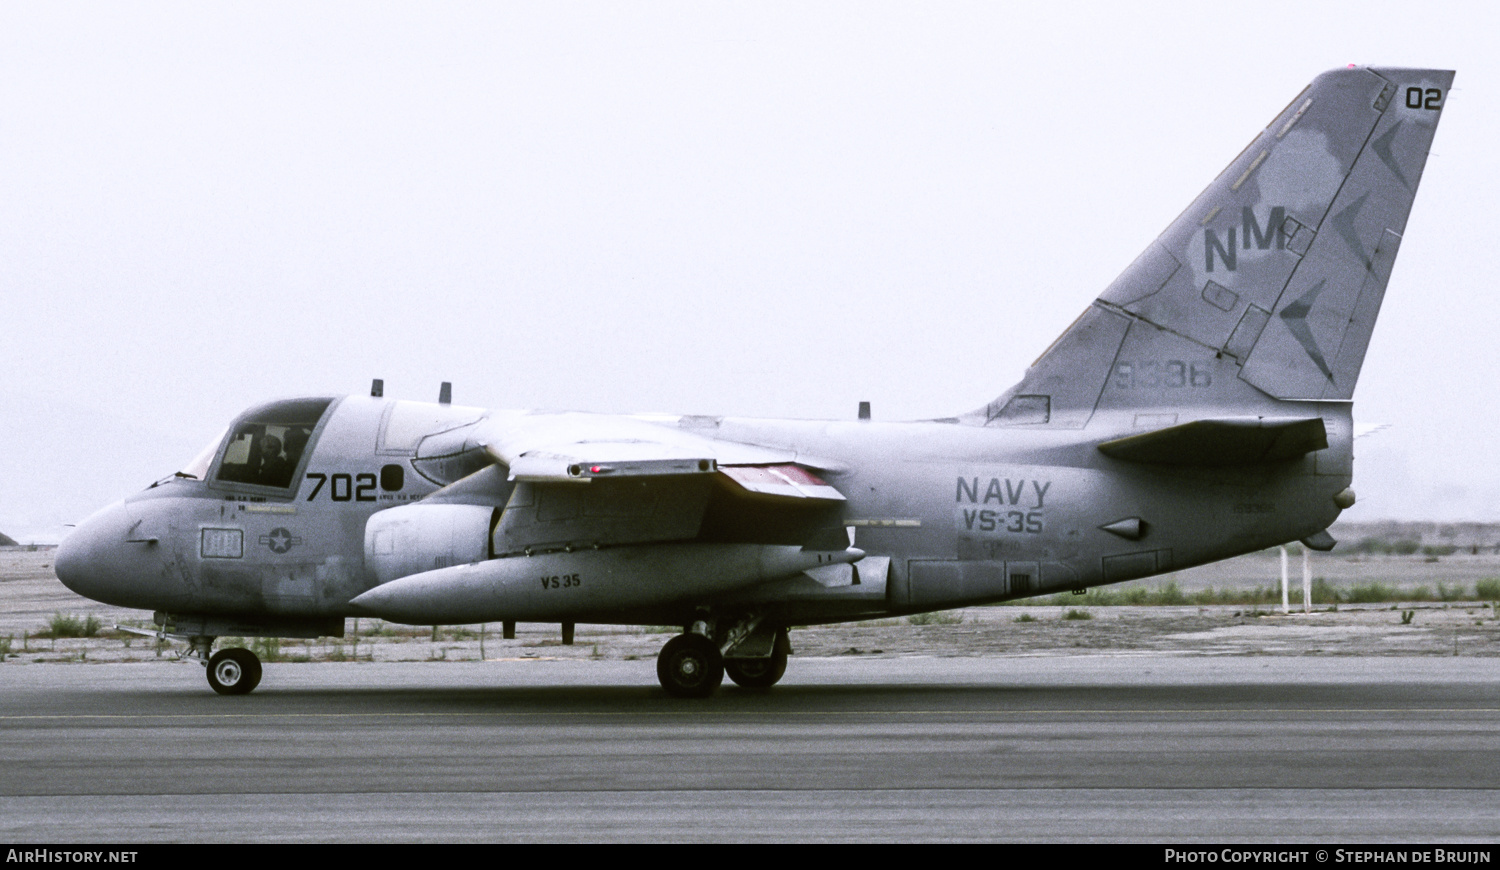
(647, 481)
(576, 448)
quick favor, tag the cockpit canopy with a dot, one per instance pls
(266, 444)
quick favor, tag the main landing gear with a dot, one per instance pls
(692, 666)
(757, 673)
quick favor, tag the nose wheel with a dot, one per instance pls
(690, 666)
(233, 671)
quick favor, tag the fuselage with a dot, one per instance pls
(946, 514)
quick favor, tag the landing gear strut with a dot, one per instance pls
(233, 671)
(690, 666)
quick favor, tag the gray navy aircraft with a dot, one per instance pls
(1197, 410)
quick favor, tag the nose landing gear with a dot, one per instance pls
(234, 671)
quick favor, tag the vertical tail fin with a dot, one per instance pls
(1271, 279)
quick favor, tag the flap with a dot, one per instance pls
(1223, 441)
(781, 481)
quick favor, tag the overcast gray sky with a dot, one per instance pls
(743, 208)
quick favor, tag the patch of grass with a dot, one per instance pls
(1385, 547)
(268, 648)
(72, 626)
(1169, 594)
(1323, 592)
(1456, 592)
(1025, 617)
(1075, 613)
(1166, 594)
(1406, 616)
(940, 617)
(5, 645)
(1373, 592)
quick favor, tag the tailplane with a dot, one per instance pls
(1267, 287)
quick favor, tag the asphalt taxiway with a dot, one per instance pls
(1107, 747)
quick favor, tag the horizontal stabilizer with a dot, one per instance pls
(1225, 441)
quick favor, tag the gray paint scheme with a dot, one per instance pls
(1248, 318)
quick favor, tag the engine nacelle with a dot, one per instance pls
(415, 538)
(557, 586)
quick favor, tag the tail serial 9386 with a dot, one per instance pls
(1197, 410)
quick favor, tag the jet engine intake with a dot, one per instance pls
(415, 538)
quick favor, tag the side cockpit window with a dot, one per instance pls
(266, 444)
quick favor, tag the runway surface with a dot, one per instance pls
(1120, 748)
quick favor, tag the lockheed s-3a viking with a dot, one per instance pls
(1197, 410)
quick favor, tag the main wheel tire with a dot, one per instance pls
(233, 671)
(757, 673)
(690, 666)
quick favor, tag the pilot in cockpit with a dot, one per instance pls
(274, 469)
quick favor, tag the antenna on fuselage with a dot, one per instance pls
(377, 388)
(864, 410)
(445, 394)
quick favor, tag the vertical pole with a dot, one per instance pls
(1306, 582)
(508, 629)
(482, 627)
(567, 634)
(1286, 606)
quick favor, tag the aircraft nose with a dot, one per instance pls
(97, 561)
